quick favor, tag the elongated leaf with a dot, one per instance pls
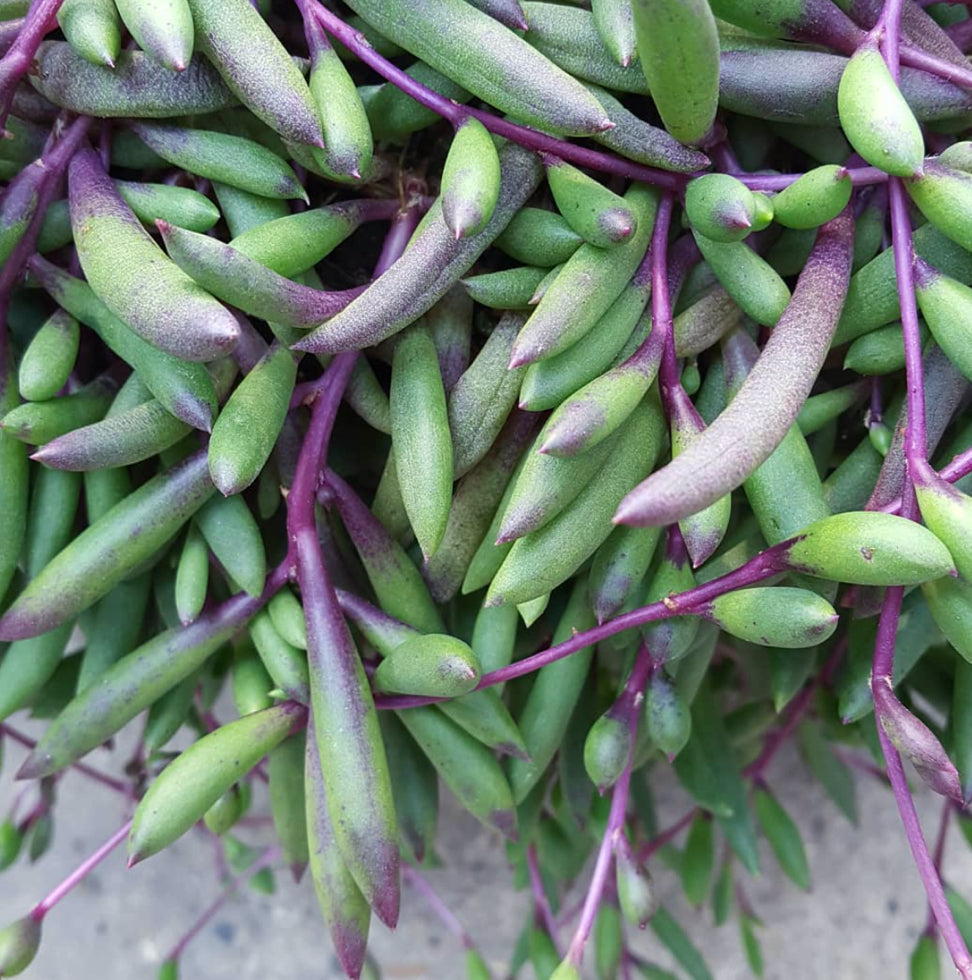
(698, 860)
(673, 936)
(836, 779)
(784, 838)
(710, 772)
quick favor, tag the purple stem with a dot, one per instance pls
(532, 139)
(947, 928)
(661, 300)
(766, 564)
(402, 227)
(961, 465)
(860, 177)
(904, 257)
(888, 29)
(303, 492)
(666, 836)
(80, 872)
(854, 761)
(876, 411)
(40, 20)
(267, 858)
(938, 855)
(300, 500)
(432, 899)
(55, 159)
(682, 256)
(915, 436)
(922, 60)
(99, 777)
(540, 897)
(631, 698)
(796, 711)
(916, 452)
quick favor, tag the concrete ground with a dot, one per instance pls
(859, 922)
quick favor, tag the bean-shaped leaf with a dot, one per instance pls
(868, 548)
(773, 393)
(196, 779)
(470, 179)
(104, 553)
(133, 277)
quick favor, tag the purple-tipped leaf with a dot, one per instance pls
(768, 402)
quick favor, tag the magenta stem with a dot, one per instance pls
(602, 867)
(99, 777)
(668, 835)
(916, 58)
(540, 897)
(860, 177)
(796, 710)
(531, 138)
(888, 29)
(303, 492)
(860, 763)
(961, 465)
(300, 500)
(916, 454)
(40, 20)
(938, 855)
(402, 228)
(916, 450)
(630, 701)
(54, 159)
(315, 585)
(766, 564)
(876, 411)
(947, 928)
(661, 300)
(448, 918)
(267, 858)
(80, 872)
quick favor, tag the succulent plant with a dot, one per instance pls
(460, 389)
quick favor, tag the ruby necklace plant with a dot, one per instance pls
(462, 389)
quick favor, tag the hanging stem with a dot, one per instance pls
(99, 777)
(632, 697)
(796, 710)
(926, 867)
(938, 855)
(264, 860)
(329, 391)
(888, 29)
(80, 873)
(666, 836)
(540, 896)
(448, 918)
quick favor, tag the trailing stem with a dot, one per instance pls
(888, 29)
(631, 700)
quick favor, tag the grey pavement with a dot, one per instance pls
(859, 922)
